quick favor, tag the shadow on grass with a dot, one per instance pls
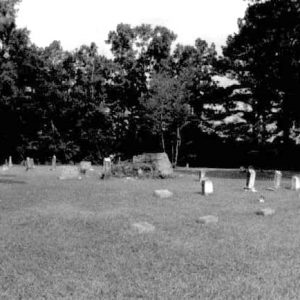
(10, 181)
(7, 176)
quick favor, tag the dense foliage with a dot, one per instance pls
(153, 95)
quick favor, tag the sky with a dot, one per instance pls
(78, 22)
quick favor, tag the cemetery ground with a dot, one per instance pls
(75, 239)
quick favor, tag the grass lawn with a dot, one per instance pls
(75, 240)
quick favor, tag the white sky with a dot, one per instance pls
(77, 22)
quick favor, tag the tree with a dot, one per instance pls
(265, 54)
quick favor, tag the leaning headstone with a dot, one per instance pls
(266, 212)
(277, 179)
(53, 163)
(295, 183)
(208, 220)
(85, 166)
(207, 187)
(163, 193)
(70, 172)
(143, 227)
(10, 164)
(250, 183)
(202, 174)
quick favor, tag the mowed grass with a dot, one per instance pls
(75, 240)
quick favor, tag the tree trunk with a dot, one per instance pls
(178, 143)
(163, 141)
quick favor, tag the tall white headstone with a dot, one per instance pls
(107, 165)
(10, 164)
(295, 183)
(250, 183)
(207, 187)
(277, 179)
(53, 163)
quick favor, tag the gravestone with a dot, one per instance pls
(143, 227)
(69, 172)
(53, 163)
(10, 164)
(107, 165)
(207, 187)
(29, 163)
(295, 183)
(266, 212)
(163, 193)
(277, 179)
(250, 183)
(202, 174)
(208, 219)
(85, 166)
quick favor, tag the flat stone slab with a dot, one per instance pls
(69, 172)
(266, 212)
(143, 227)
(208, 220)
(163, 193)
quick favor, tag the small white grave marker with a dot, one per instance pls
(251, 174)
(207, 220)
(207, 187)
(163, 193)
(295, 183)
(107, 165)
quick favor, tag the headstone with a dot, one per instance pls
(53, 163)
(251, 174)
(143, 227)
(187, 165)
(163, 193)
(207, 187)
(107, 165)
(10, 164)
(85, 166)
(70, 172)
(295, 183)
(266, 211)
(29, 163)
(207, 219)
(202, 175)
(277, 179)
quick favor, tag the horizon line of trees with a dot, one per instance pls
(82, 105)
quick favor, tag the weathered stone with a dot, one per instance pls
(107, 165)
(70, 172)
(266, 211)
(208, 219)
(207, 187)
(10, 164)
(143, 227)
(85, 166)
(159, 161)
(163, 193)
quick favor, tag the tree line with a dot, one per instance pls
(154, 94)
